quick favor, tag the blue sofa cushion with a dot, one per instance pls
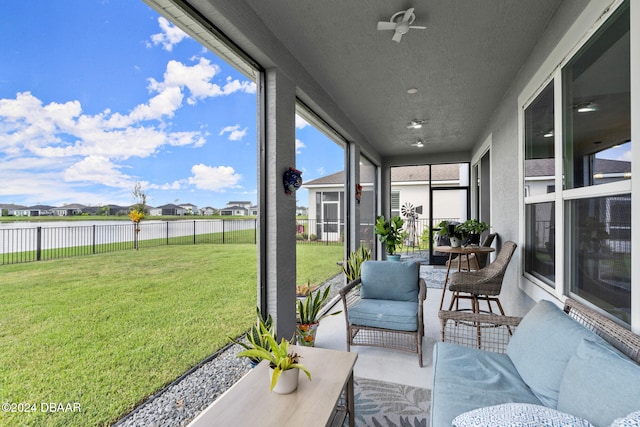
(541, 347)
(396, 315)
(466, 378)
(518, 415)
(600, 384)
(390, 280)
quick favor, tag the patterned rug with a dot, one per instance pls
(434, 276)
(384, 404)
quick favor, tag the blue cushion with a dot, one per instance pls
(396, 315)
(390, 280)
(467, 378)
(541, 347)
(518, 415)
(600, 384)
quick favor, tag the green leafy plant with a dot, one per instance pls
(278, 355)
(308, 309)
(351, 267)
(450, 229)
(473, 226)
(256, 335)
(390, 232)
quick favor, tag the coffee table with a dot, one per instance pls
(315, 403)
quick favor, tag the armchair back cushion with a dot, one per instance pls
(601, 395)
(541, 347)
(390, 280)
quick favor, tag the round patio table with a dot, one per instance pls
(461, 251)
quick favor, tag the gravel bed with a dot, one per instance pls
(180, 402)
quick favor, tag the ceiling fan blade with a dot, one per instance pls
(384, 25)
(407, 15)
(397, 37)
(418, 27)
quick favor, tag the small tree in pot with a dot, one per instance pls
(390, 233)
(472, 228)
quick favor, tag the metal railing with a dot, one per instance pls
(18, 245)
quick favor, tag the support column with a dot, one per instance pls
(277, 253)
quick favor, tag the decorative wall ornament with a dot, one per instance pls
(358, 193)
(292, 180)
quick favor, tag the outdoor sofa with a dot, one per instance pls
(571, 367)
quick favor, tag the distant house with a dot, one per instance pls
(167, 210)
(69, 210)
(239, 208)
(13, 210)
(302, 210)
(208, 210)
(409, 190)
(189, 208)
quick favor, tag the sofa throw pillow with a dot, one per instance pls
(600, 384)
(631, 420)
(518, 415)
(541, 348)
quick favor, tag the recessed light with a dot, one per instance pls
(412, 90)
(415, 124)
(418, 144)
(587, 107)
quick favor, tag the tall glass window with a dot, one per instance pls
(600, 255)
(540, 244)
(539, 169)
(597, 110)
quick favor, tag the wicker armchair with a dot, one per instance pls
(384, 307)
(484, 284)
(476, 262)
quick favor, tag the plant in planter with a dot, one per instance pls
(283, 364)
(308, 311)
(255, 335)
(452, 231)
(390, 233)
(473, 229)
(351, 267)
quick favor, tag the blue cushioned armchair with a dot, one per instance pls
(384, 307)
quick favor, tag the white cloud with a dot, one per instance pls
(299, 146)
(98, 170)
(235, 133)
(169, 36)
(301, 123)
(214, 178)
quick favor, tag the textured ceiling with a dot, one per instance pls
(462, 64)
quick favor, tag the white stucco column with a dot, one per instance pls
(277, 259)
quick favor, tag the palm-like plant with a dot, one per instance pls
(278, 355)
(255, 336)
(309, 308)
(351, 267)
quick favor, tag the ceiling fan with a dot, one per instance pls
(400, 22)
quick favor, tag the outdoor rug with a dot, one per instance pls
(434, 276)
(384, 404)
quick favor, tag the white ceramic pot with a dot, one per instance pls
(288, 381)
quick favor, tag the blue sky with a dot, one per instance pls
(96, 95)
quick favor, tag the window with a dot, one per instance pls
(597, 110)
(367, 203)
(539, 252)
(594, 201)
(539, 158)
(600, 255)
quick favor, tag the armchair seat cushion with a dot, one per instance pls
(386, 314)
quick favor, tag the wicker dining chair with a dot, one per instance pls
(476, 262)
(484, 284)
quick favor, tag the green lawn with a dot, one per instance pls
(106, 331)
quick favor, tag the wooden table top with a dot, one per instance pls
(250, 403)
(465, 249)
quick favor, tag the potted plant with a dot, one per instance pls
(351, 267)
(308, 312)
(283, 364)
(452, 231)
(255, 337)
(473, 229)
(390, 233)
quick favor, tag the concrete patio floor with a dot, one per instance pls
(385, 364)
